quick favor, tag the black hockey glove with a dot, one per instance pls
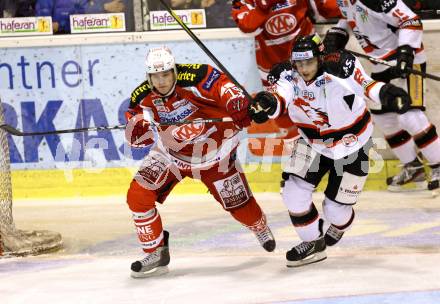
(263, 105)
(335, 39)
(405, 58)
(394, 98)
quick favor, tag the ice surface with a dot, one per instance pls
(390, 256)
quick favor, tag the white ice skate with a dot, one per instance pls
(266, 239)
(154, 263)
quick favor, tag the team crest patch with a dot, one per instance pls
(232, 191)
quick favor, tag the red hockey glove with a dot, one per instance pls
(138, 132)
(267, 4)
(237, 107)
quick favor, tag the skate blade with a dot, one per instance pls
(317, 257)
(151, 273)
(416, 186)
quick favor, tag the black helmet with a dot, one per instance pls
(306, 47)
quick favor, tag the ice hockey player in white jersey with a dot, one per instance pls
(389, 30)
(324, 96)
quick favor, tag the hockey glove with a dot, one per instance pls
(237, 107)
(138, 132)
(405, 58)
(394, 98)
(267, 4)
(335, 39)
(263, 105)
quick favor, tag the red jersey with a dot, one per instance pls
(275, 30)
(201, 92)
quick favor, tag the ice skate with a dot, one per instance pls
(306, 253)
(333, 235)
(155, 263)
(434, 183)
(411, 172)
(266, 239)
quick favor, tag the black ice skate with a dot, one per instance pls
(266, 239)
(411, 172)
(435, 178)
(154, 263)
(333, 235)
(306, 253)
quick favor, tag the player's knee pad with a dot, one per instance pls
(250, 214)
(149, 229)
(414, 121)
(340, 215)
(297, 194)
(140, 199)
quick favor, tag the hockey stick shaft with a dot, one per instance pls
(205, 49)
(13, 131)
(380, 61)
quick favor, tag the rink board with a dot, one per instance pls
(31, 184)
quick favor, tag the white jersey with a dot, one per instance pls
(381, 26)
(330, 112)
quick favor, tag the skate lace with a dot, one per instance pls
(303, 247)
(264, 235)
(151, 258)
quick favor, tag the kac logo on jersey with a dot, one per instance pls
(212, 78)
(188, 132)
(280, 24)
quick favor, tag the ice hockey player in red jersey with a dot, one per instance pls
(276, 24)
(171, 94)
(389, 30)
(325, 98)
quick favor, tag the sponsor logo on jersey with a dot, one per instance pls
(322, 81)
(348, 67)
(308, 95)
(359, 77)
(232, 190)
(212, 78)
(387, 5)
(179, 114)
(160, 106)
(186, 76)
(349, 140)
(283, 5)
(411, 23)
(188, 132)
(280, 24)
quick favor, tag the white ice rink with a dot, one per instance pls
(392, 255)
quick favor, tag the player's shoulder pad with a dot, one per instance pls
(340, 64)
(189, 75)
(139, 93)
(275, 73)
(380, 6)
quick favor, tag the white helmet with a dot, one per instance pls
(159, 60)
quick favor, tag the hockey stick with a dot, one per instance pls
(13, 131)
(380, 61)
(205, 49)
